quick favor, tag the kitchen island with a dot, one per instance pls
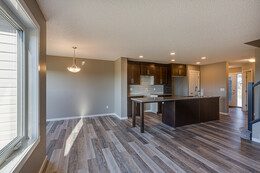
(180, 111)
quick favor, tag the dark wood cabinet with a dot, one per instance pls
(161, 74)
(147, 69)
(179, 70)
(133, 73)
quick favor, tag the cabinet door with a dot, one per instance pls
(147, 69)
(178, 70)
(161, 75)
(157, 75)
(133, 73)
(164, 75)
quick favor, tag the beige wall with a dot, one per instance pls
(181, 84)
(35, 161)
(214, 77)
(235, 70)
(120, 73)
(87, 92)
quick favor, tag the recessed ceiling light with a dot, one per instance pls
(197, 62)
(251, 60)
(141, 56)
(173, 53)
(172, 60)
(203, 57)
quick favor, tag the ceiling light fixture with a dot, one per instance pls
(203, 57)
(141, 56)
(251, 60)
(173, 53)
(173, 60)
(74, 68)
(197, 62)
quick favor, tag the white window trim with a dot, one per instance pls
(20, 10)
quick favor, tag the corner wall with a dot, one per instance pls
(213, 78)
(120, 75)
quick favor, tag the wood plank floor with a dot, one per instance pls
(106, 144)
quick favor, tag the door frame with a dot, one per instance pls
(197, 71)
(243, 101)
(242, 85)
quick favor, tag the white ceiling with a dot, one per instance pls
(109, 29)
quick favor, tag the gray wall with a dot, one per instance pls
(87, 92)
(256, 127)
(120, 73)
(214, 77)
(34, 162)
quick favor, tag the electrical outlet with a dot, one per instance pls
(107, 106)
(154, 89)
(131, 89)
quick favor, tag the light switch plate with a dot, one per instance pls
(222, 89)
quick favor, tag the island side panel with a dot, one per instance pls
(209, 109)
(168, 113)
(187, 112)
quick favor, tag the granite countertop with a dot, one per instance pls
(165, 99)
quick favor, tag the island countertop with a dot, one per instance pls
(167, 99)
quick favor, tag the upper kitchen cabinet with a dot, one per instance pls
(179, 70)
(161, 74)
(147, 69)
(133, 73)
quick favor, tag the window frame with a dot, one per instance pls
(21, 80)
(23, 146)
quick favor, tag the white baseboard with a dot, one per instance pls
(43, 164)
(223, 113)
(124, 118)
(256, 140)
(84, 116)
(148, 111)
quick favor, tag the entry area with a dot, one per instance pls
(235, 89)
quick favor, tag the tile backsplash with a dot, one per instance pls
(146, 87)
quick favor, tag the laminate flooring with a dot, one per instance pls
(107, 144)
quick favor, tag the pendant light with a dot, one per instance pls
(74, 68)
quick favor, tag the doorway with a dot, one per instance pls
(194, 82)
(246, 78)
(235, 89)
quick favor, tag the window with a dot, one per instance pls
(19, 84)
(11, 90)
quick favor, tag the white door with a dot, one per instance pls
(232, 89)
(194, 82)
(246, 78)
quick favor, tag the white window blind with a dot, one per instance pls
(8, 83)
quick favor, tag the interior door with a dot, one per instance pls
(246, 78)
(232, 89)
(194, 83)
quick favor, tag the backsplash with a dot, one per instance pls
(146, 87)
